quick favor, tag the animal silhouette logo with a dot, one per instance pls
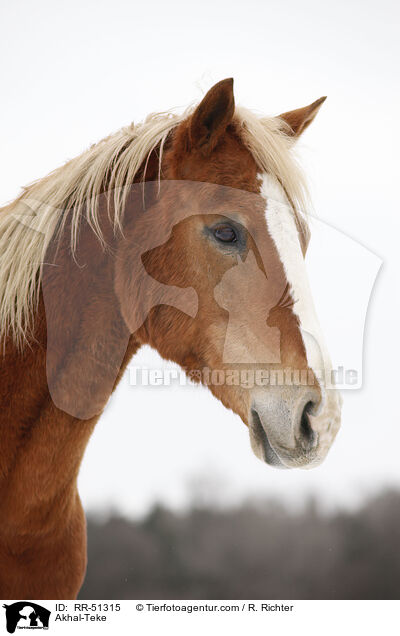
(26, 615)
(245, 340)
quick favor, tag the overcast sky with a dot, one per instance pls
(73, 72)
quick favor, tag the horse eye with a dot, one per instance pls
(226, 234)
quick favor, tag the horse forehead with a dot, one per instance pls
(281, 225)
(271, 189)
(230, 164)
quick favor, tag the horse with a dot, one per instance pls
(188, 233)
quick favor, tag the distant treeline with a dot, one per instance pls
(252, 552)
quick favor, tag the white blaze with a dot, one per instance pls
(283, 230)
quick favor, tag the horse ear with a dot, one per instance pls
(212, 116)
(300, 118)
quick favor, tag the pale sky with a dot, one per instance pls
(72, 73)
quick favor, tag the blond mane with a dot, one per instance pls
(28, 224)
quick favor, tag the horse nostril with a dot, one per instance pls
(306, 430)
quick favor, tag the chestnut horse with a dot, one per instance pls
(186, 233)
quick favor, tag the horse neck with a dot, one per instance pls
(42, 443)
(45, 390)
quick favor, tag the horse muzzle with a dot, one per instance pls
(294, 427)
